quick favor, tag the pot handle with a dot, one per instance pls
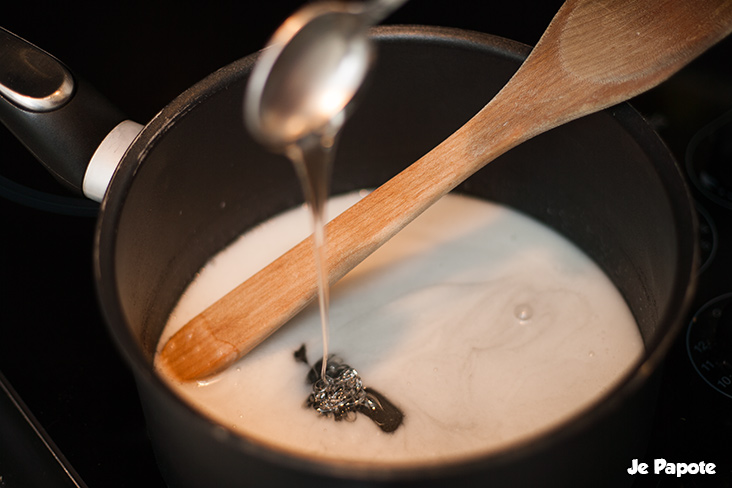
(76, 133)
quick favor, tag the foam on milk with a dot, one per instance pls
(483, 326)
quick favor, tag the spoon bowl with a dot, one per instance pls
(310, 71)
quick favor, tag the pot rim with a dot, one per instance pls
(671, 319)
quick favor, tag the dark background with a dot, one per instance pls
(54, 349)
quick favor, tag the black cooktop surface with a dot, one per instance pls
(69, 412)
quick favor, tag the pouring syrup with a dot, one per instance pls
(312, 158)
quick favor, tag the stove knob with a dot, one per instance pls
(707, 237)
(709, 160)
(709, 343)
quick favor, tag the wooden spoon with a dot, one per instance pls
(594, 54)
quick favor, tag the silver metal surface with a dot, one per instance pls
(311, 69)
(30, 77)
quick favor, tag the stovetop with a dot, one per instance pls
(69, 412)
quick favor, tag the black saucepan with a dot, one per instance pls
(193, 180)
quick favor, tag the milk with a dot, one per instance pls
(483, 326)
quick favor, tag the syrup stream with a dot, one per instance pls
(313, 157)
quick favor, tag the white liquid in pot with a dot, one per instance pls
(483, 326)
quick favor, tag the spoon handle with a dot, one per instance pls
(561, 80)
(377, 10)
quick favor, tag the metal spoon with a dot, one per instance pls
(311, 69)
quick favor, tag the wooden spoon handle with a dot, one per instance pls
(251, 312)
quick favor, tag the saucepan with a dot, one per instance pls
(192, 180)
